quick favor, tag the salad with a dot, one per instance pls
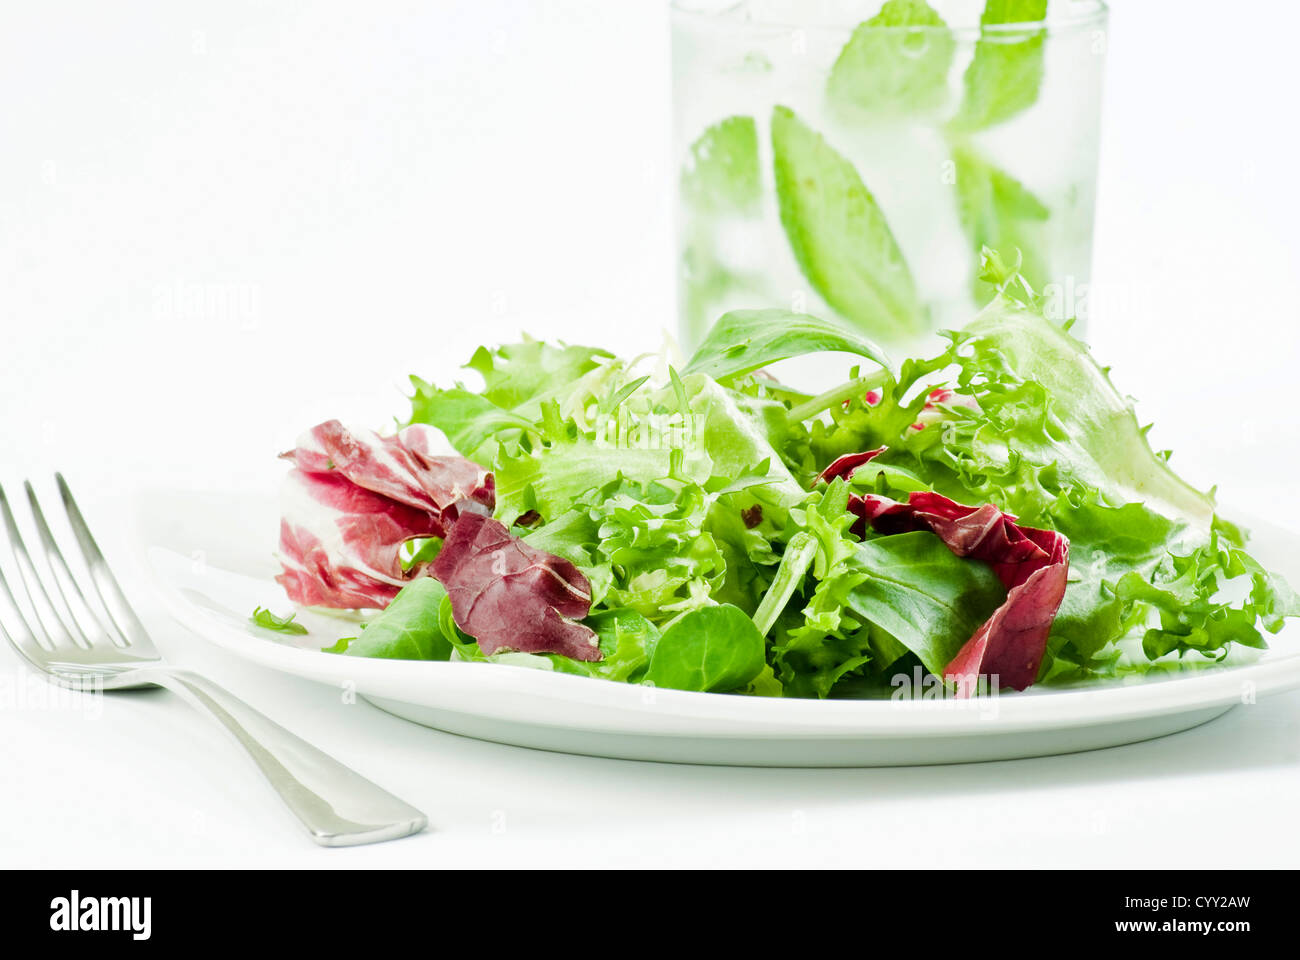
(991, 515)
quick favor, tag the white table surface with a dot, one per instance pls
(361, 194)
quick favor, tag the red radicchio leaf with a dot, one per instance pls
(340, 545)
(401, 468)
(351, 502)
(845, 465)
(1031, 563)
(510, 596)
(1011, 643)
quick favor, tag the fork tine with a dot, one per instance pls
(13, 625)
(106, 585)
(56, 632)
(89, 623)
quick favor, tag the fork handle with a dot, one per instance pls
(337, 805)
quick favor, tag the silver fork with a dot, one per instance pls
(77, 648)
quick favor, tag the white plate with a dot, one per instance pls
(213, 558)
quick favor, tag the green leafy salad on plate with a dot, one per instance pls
(991, 515)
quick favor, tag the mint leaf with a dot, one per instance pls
(720, 174)
(884, 69)
(1007, 70)
(839, 235)
(267, 620)
(997, 211)
(721, 192)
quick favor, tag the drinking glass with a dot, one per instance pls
(857, 159)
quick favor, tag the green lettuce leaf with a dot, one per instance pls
(469, 421)
(820, 640)
(719, 561)
(1048, 421)
(550, 478)
(923, 595)
(713, 649)
(872, 601)
(651, 536)
(407, 629)
(745, 340)
(1044, 435)
(515, 374)
(1062, 411)
(267, 620)
(704, 434)
(627, 641)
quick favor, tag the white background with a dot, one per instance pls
(363, 191)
